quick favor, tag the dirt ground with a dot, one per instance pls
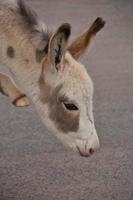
(36, 166)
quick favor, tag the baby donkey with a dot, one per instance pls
(45, 68)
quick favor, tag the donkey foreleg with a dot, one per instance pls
(8, 88)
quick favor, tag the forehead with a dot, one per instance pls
(77, 81)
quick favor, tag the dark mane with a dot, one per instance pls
(27, 13)
(40, 33)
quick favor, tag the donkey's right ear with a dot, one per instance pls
(57, 45)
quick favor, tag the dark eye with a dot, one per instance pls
(70, 106)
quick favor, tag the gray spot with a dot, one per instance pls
(27, 60)
(10, 52)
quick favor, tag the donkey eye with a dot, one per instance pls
(70, 106)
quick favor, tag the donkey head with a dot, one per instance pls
(66, 91)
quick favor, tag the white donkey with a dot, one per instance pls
(45, 68)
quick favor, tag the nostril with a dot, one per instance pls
(91, 151)
(84, 152)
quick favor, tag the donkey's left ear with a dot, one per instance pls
(83, 41)
(57, 45)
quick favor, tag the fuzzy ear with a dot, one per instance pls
(80, 44)
(57, 45)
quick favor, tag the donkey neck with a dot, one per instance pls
(27, 79)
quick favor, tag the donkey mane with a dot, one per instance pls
(29, 15)
(40, 32)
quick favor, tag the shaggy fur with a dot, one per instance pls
(40, 63)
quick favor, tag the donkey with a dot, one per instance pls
(44, 68)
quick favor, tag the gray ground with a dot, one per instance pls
(33, 164)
